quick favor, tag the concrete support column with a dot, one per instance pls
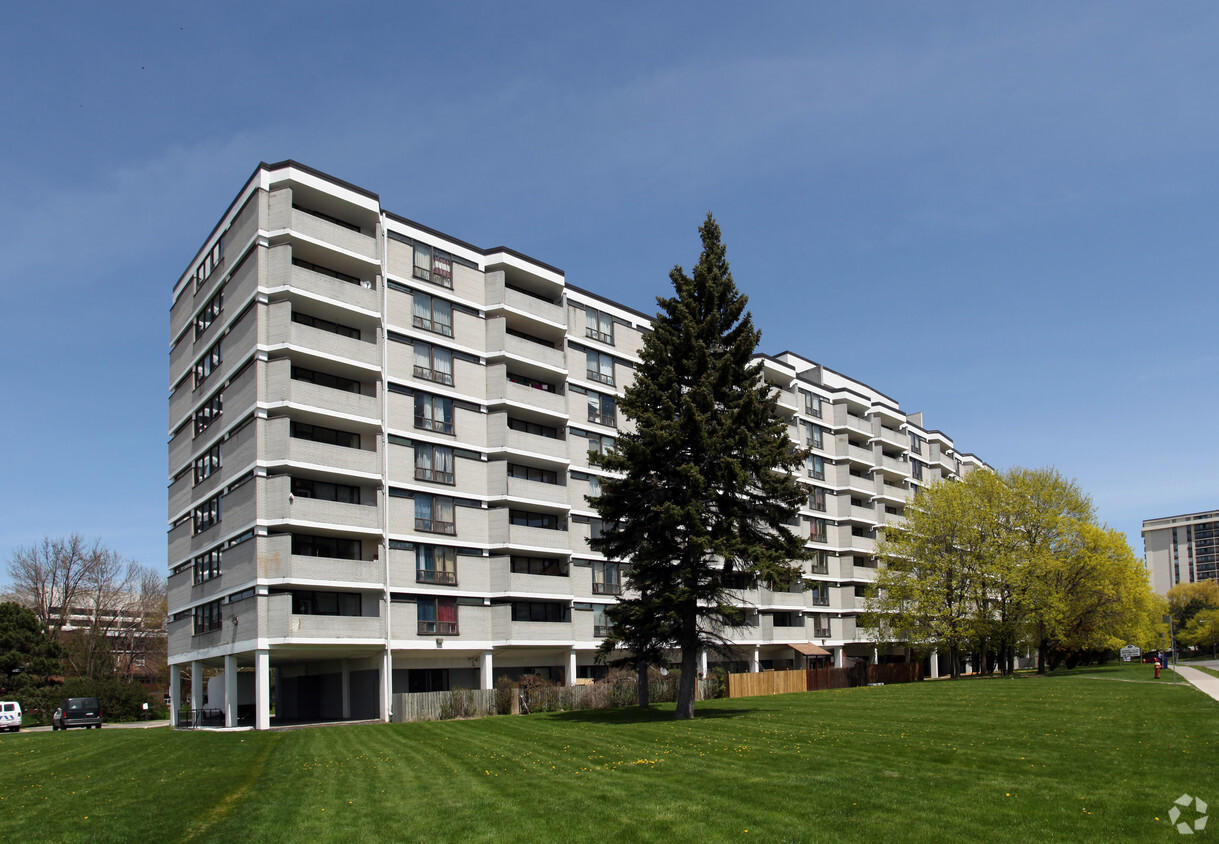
(262, 690)
(702, 662)
(486, 671)
(196, 685)
(175, 693)
(935, 664)
(756, 664)
(876, 656)
(387, 687)
(230, 690)
(840, 657)
(571, 667)
(346, 694)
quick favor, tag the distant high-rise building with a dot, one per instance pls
(1182, 549)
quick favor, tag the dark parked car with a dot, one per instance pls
(77, 712)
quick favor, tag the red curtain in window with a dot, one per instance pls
(446, 610)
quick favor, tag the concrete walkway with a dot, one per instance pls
(1200, 680)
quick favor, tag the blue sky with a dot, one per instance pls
(1003, 215)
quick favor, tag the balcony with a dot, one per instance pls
(280, 384)
(500, 343)
(534, 308)
(819, 600)
(437, 628)
(315, 228)
(443, 578)
(821, 632)
(280, 328)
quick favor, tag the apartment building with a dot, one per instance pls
(379, 463)
(1181, 549)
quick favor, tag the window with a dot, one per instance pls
(601, 624)
(435, 564)
(916, 470)
(819, 594)
(305, 265)
(207, 413)
(207, 514)
(433, 363)
(325, 491)
(325, 379)
(598, 326)
(209, 263)
(207, 364)
(210, 313)
(594, 486)
(819, 531)
(530, 473)
(546, 611)
(326, 603)
(600, 367)
(600, 443)
(816, 436)
(787, 619)
(819, 562)
(437, 616)
(207, 617)
(607, 579)
(207, 464)
(534, 383)
(916, 443)
(206, 566)
(547, 566)
(433, 265)
(326, 325)
(816, 499)
(336, 547)
(528, 518)
(434, 514)
(433, 413)
(432, 314)
(812, 404)
(318, 434)
(816, 467)
(533, 428)
(434, 463)
(601, 409)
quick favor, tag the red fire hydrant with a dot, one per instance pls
(1157, 669)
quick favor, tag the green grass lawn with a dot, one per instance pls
(1079, 756)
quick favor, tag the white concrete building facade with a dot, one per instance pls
(378, 464)
(1181, 549)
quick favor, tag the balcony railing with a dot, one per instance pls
(820, 600)
(607, 588)
(448, 578)
(601, 630)
(821, 632)
(438, 628)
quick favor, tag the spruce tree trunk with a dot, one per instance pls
(689, 665)
(642, 669)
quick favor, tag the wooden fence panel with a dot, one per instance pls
(436, 706)
(815, 679)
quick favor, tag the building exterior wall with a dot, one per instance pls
(378, 457)
(1181, 549)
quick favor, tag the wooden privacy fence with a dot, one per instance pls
(440, 706)
(813, 679)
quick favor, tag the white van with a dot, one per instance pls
(10, 715)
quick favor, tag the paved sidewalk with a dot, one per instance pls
(1206, 683)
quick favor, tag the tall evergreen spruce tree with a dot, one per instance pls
(704, 488)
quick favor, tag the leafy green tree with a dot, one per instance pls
(704, 489)
(997, 559)
(28, 656)
(1186, 600)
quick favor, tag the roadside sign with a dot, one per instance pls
(1130, 652)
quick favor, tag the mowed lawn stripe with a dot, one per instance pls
(1063, 758)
